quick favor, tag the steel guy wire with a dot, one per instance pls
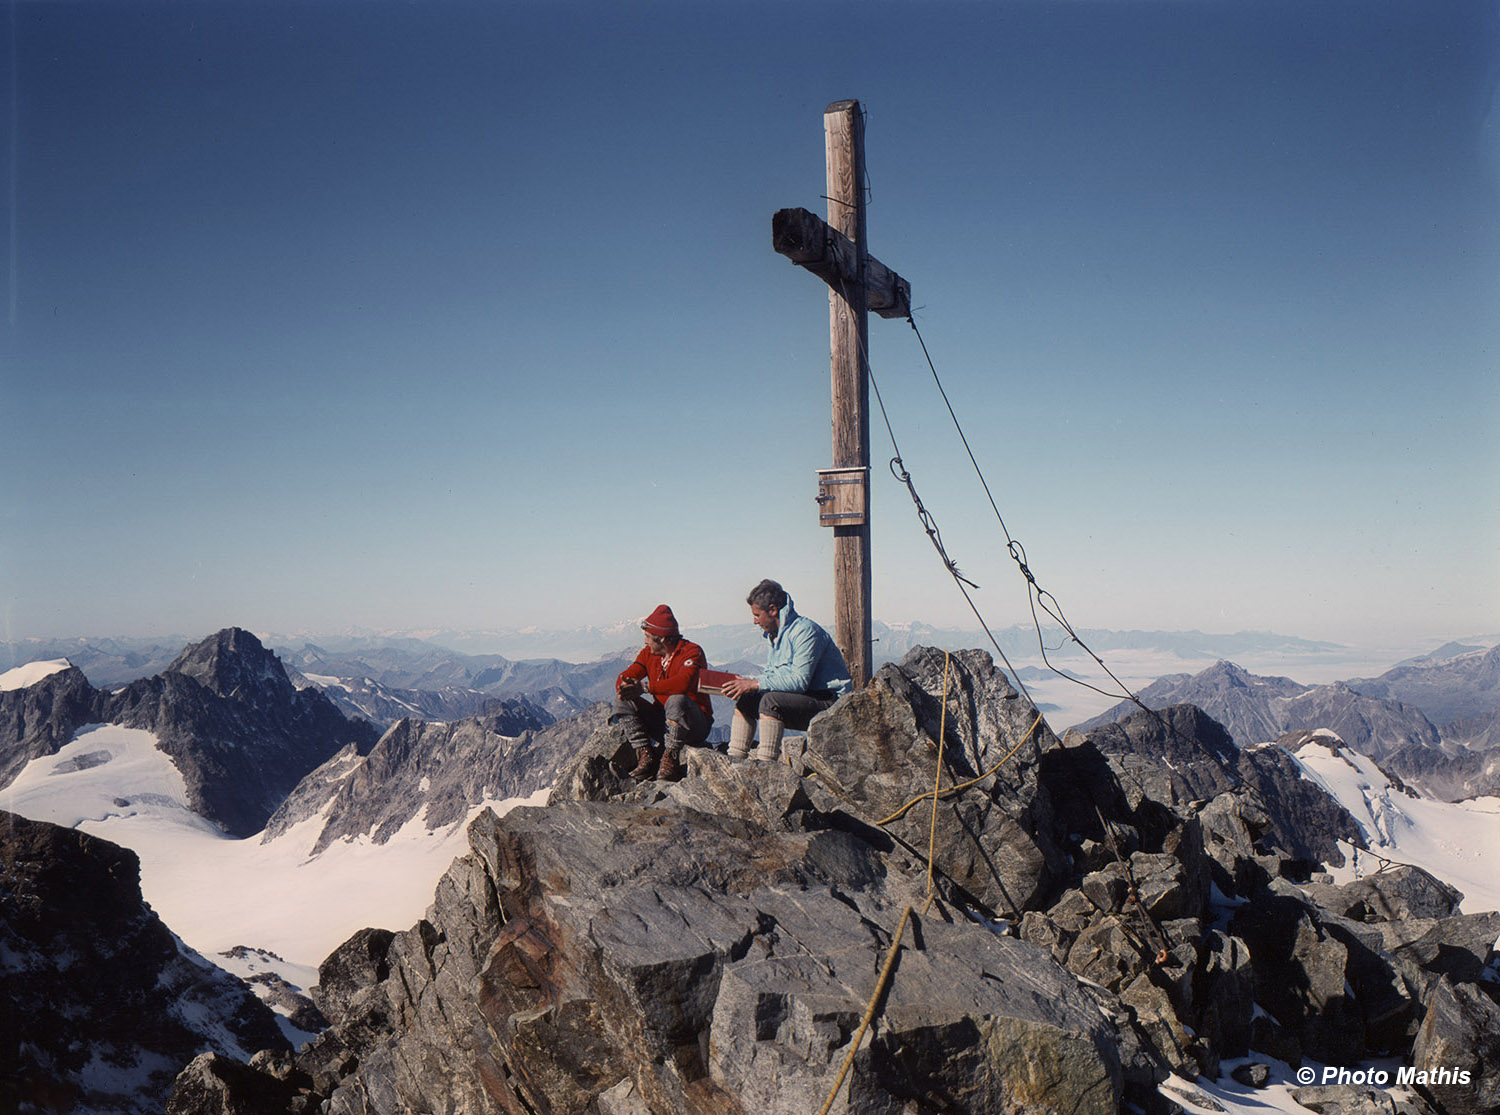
(1035, 594)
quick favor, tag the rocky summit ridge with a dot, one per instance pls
(1076, 920)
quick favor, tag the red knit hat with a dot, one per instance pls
(661, 622)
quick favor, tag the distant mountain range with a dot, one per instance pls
(425, 659)
(728, 643)
(1456, 683)
(258, 753)
(105, 661)
(1393, 718)
(213, 699)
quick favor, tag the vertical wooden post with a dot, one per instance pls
(844, 135)
(836, 252)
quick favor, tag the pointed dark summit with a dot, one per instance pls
(233, 663)
(236, 727)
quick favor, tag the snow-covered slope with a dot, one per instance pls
(216, 892)
(1459, 842)
(23, 677)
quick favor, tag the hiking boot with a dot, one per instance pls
(671, 766)
(646, 767)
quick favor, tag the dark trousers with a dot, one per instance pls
(677, 724)
(794, 710)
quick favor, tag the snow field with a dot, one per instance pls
(216, 892)
(1459, 842)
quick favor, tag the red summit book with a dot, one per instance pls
(713, 681)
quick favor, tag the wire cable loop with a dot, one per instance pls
(1036, 595)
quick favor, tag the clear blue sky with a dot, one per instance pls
(440, 314)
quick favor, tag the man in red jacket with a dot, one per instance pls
(680, 716)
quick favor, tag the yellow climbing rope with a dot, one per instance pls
(937, 782)
(964, 785)
(864, 1023)
(890, 959)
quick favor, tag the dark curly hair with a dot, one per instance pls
(767, 595)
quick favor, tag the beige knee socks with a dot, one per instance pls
(770, 740)
(741, 732)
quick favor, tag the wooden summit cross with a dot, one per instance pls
(835, 251)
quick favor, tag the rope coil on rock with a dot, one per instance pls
(965, 785)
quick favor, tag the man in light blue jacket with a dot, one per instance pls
(805, 673)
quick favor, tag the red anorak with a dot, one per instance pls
(669, 674)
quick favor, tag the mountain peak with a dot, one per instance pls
(231, 662)
(1225, 668)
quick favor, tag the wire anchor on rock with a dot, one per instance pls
(1154, 932)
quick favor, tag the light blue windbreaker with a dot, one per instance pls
(803, 658)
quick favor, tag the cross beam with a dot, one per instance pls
(835, 251)
(806, 240)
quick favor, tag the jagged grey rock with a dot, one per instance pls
(1345, 1099)
(1181, 758)
(1256, 710)
(1185, 762)
(284, 998)
(1252, 1074)
(1401, 893)
(782, 1023)
(1460, 1035)
(1301, 974)
(1459, 947)
(617, 940)
(1245, 703)
(1226, 995)
(42, 718)
(710, 945)
(438, 771)
(1383, 997)
(1305, 820)
(1181, 744)
(215, 1085)
(1171, 1041)
(1232, 826)
(876, 751)
(72, 922)
(357, 965)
